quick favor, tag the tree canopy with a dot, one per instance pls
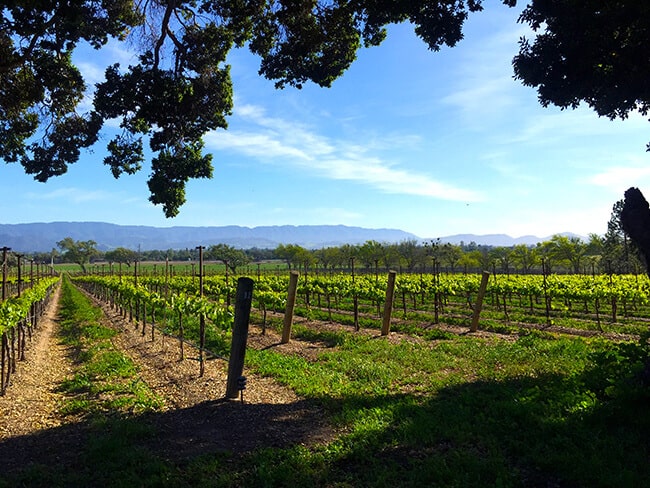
(635, 222)
(79, 252)
(121, 255)
(231, 257)
(590, 51)
(180, 88)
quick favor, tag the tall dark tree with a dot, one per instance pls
(180, 87)
(615, 255)
(635, 220)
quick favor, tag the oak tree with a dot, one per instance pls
(78, 252)
(121, 255)
(180, 87)
(590, 51)
(231, 257)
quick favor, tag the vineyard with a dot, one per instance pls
(23, 302)
(526, 399)
(426, 305)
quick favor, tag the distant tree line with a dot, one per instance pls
(612, 253)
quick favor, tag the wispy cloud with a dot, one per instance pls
(278, 141)
(486, 89)
(74, 195)
(621, 177)
(93, 63)
(324, 215)
(484, 99)
(554, 125)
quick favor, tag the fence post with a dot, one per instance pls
(201, 317)
(288, 312)
(479, 301)
(4, 250)
(388, 304)
(243, 299)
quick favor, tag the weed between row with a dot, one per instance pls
(458, 411)
(105, 379)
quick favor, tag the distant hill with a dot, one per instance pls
(42, 237)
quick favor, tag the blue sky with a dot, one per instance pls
(431, 143)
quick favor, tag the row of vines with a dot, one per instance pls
(587, 302)
(19, 316)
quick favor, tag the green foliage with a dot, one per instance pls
(587, 51)
(231, 257)
(121, 255)
(180, 88)
(80, 252)
(622, 371)
(461, 413)
(16, 309)
(533, 410)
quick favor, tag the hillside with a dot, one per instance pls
(42, 237)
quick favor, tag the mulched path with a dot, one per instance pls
(196, 418)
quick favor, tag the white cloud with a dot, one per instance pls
(483, 99)
(72, 195)
(621, 178)
(281, 142)
(323, 215)
(485, 89)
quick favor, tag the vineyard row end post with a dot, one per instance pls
(388, 304)
(479, 301)
(243, 300)
(288, 312)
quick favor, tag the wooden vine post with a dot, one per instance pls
(547, 299)
(243, 300)
(201, 316)
(388, 304)
(137, 298)
(20, 279)
(4, 270)
(288, 311)
(355, 298)
(479, 301)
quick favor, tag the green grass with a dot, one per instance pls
(106, 379)
(533, 410)
(472, 412)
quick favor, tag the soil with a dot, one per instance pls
(195, 419)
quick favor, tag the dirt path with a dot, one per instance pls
(195, 420)
(196, 417)
(31, 401)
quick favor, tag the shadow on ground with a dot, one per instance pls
(176, 436)
(532, 432)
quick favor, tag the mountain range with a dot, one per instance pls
(42, 237)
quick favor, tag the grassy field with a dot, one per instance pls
(531, 410)
(183, 268)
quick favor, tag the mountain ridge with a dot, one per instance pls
(43, 236)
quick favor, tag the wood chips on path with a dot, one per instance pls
(196, 418)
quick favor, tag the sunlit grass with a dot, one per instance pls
(529, 409)
(106, 379)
